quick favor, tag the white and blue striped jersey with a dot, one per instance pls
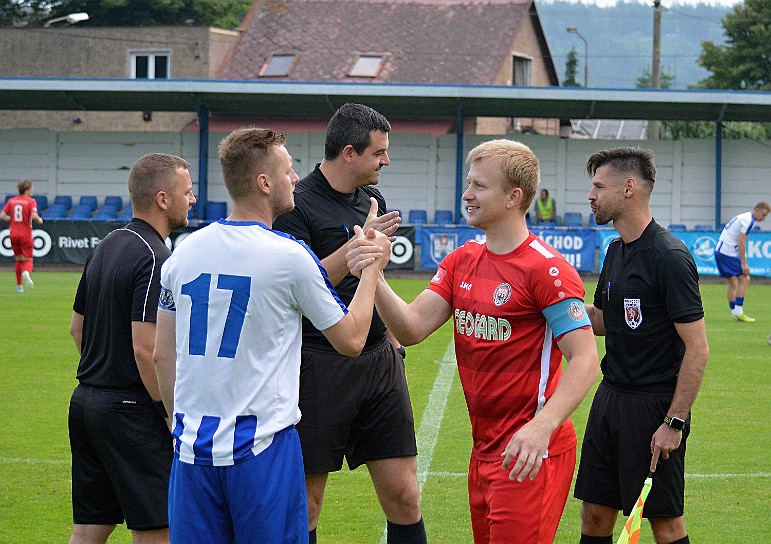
(239, 290)
(728, 244)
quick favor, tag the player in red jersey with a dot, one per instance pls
(21, 211)
(518, 307)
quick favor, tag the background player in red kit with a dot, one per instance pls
(21, 211)
(518, 307)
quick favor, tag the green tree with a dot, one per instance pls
(645, 81)
(571, 69)
(744, 63)
(24, 12)
(220, 13)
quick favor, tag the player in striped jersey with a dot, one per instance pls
(517, 307)
(228, 354)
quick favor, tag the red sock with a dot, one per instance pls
(19, 268)
(28, 266)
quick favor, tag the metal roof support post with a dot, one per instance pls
(203, 159)
(459, 161)
(718, 171)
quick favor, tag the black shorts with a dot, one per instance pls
(121, 459)
(354, 407)
(616, 454)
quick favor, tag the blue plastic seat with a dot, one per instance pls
(80, 211)
(42, 202)
(116, 201)
(590, 220)
(702, 228)
(105, 212)
(126, 213)
(546, 224)
(443, 217)
(573, 219)
(417, 217)
(64, 200)
(215, 210)
(55, 211)
(677, 227)
(756, 228)
(90, 201)
(9, 197)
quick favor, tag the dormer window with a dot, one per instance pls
(367, 66)
(277, 66)
(521, 70)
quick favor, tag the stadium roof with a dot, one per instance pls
(419, 101)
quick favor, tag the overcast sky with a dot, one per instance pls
(665, 3)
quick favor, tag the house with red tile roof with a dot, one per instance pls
(474, 42)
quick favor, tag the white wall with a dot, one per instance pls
(421, 174)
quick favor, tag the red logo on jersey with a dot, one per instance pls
(632, 312)
(576, 311)
(502, 294)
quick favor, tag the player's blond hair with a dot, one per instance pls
(763, 205)
(244, 154)
(518, 164)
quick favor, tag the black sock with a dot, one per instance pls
(586, 539)
(407, 534)
(312, 537)
(684, 540)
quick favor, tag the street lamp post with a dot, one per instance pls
(574, 30)
(71, 19)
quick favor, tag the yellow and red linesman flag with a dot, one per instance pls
(631, 532)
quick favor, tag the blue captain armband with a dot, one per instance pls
(566, 315)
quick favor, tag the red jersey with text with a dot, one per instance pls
(20, 209)
(508, 359)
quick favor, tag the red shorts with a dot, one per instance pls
(510, 512)
(22, 246)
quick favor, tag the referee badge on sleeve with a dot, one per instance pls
(632, 312)
(166, 301)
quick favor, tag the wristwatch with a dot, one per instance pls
(675, 422)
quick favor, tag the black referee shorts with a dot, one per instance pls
(616, 454)
(354, 407)
(121, 459)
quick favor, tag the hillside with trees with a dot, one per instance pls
(620, 40)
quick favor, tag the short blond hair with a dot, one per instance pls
(763, 205)
(518, 163)
(245, 153)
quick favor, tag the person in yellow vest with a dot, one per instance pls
(545, 207)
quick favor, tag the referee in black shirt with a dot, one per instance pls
(648, 307)
(121, 445)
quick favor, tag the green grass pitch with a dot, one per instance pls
(728, 483)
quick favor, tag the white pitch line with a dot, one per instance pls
(428, 433)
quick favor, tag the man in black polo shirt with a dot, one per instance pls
(648, 307)
(121, 445)
(357, 407)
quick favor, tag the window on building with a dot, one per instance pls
(150, 64)
(367, 66)
(277, 65)
(521, 69)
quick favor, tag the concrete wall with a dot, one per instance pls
(105, 52)
(421, 174)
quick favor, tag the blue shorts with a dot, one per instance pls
(259, 500)
(728, 266)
